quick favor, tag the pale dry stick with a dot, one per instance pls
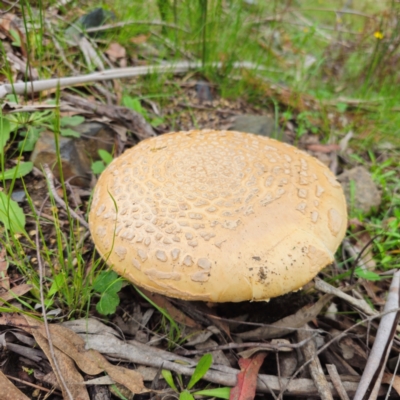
(336, 338)
(126, 23)
(58, 199)
(264, 346)
(324, 28)
(354, 254)
(336, 381)
(342, 11)
(119, 73)
(42, 302)
(373, 372)
(360, 304)
(142, 354)
(12, 5)
(393, 377)
(172, 46)
(309, 351)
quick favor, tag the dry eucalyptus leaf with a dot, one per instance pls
(68, 372)
(8, 391)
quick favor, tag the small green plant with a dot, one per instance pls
(201, 369)
(107, 284)
(135, 104)
(99, 166)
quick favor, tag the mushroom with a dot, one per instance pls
(217, 216)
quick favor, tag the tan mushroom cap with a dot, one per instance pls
(217, 216)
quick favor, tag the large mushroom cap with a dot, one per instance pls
(217, 216)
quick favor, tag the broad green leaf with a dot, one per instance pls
(108, 303)
(368, 275)
(72, 121)
(11, 214)
(98, 167)
(22, 169)
(221, 393)
(5, 130)
(185, 395)
(67, 132)
(107, 281)
(169, 379)
(105, 156)
(202, 367)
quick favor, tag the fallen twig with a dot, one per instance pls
(261, 346)
(48, 84)
(309, 351)
(58, 199)
(371, 378)
(332, 371)
(126, 23)
(53, 360)
(130, 119)
(360, 304)
(146, 355)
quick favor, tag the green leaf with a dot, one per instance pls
(156, 122)
(202, 367)
(221, 393)
(369, 275)
(108, 303)
(98, 167)
(72, 121)
(17, 39)
(57, 284)
(169, 379)
(107, 281)
(69, 133)
(105, 156)
(31, 137)
(132, 103)
(22, 169)
(185, 395)
(5, 130)
(11, 214)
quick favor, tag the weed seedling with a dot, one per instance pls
(201, 369)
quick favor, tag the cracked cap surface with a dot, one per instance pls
(217, 216)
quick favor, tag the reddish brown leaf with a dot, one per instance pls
(245, 388)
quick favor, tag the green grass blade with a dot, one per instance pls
(221, 393)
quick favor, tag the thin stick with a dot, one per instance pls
(337, 382)
(42, 302)
(309, 351)
(333, 340)
(266, 346)
(372, 375)
(126, 23)
(29, 383)
(58, 199)
(173, 67)
(361, 304)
